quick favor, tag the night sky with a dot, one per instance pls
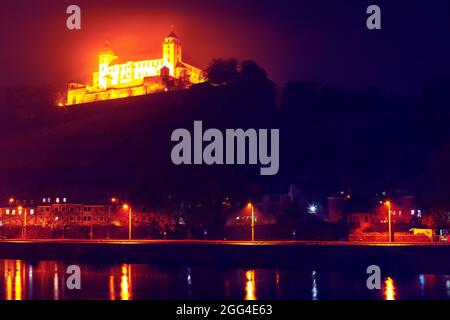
(293, 40)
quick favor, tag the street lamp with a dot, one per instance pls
(250, 205)
(312, 208)
(388, 204)
(128, 207)
(24, 230)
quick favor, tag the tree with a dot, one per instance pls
(221, 71)
(250, 70)
(434, 191)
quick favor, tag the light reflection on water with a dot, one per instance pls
(250, 286)
(47, 280)
(389, 290)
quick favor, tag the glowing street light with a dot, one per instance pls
(128, 207)
(11, 200)
(388, 204)
(250, 205)
(312, 208)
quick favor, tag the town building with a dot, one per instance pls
(365, 211)
(273, 201)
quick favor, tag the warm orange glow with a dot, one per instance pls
(388, 203)
(113, 200)
(112, 289)
(250, 286)
(135, 78)
(125, 283)
(249, 205)
(18, 281)
(389, 289)
(8, 280)
(11, 200)
(125, 207)
(13, 273)
(55, 284)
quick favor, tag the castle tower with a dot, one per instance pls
(105, 57)
(171, 52)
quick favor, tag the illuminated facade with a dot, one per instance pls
(134, 78)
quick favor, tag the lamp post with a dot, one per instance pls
(388, 204)
(113, 203)
(24, 231)
(250, 205)
(128, 207)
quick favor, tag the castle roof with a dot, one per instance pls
(172, 35)
(180, 65)
(106, 48)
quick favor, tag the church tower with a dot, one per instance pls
(105, 57)
(171, 52)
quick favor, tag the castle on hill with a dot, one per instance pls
(133, 78)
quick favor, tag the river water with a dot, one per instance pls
(47, 280)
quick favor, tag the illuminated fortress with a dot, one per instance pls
(134, 78)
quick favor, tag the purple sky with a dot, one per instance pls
(293, 40)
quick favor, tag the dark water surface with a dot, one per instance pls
(47, 280)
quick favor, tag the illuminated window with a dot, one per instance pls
(14, 212)
(31, 211)
(412, 212)
(64, 200)
(7, 211)
(44, 200)
(57, 200)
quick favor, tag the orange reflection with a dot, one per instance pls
(55, 284)
(18, 281)
(125, 282)
(389, 291)
(112, 290)
(8, 286)
(250, 287)
(13, 272)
